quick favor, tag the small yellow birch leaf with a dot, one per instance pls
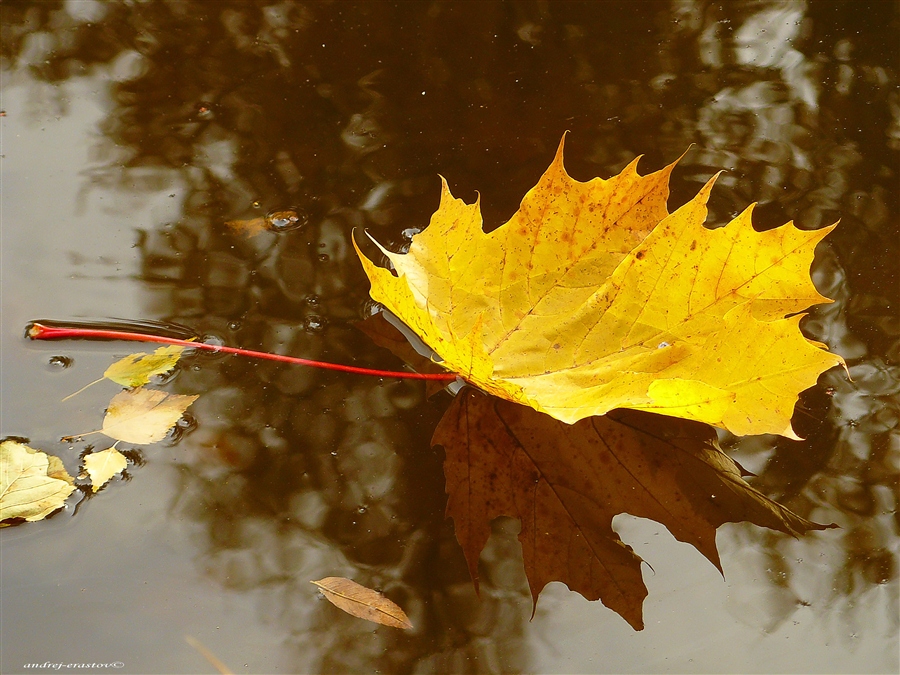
(594, 297)
(143, 415)
(103, 465)
(362, 602)
(135, 370)
(32, 484)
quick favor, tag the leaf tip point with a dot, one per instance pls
(790, 434)
(713, 179)
(561, 147)
(684, 154)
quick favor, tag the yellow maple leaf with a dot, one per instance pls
(593, 297)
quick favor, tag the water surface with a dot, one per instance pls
(134, 132)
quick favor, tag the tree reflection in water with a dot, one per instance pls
(345, 113)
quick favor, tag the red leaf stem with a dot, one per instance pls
(38, 331)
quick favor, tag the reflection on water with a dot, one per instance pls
(342, 115)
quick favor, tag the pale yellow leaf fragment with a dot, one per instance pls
(32, 484)
(362, 602)
(103, 465)
(593, 297)
(144, 415)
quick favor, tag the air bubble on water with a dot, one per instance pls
(852, 423)
(184, 425)
(334, 453)
(255, 205)
(371, 308)
(312, 300)
(164, 378)
(234, 325)
(829, 391)
(286, 220)
(314, 324)
(323, 257)
(362, 509)
(186, 422)
(214, 340)
(61, 362)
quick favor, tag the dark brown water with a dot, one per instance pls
(134, 131)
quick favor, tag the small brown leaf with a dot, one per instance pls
(249, 228)
(276, 221)
(362, 602)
